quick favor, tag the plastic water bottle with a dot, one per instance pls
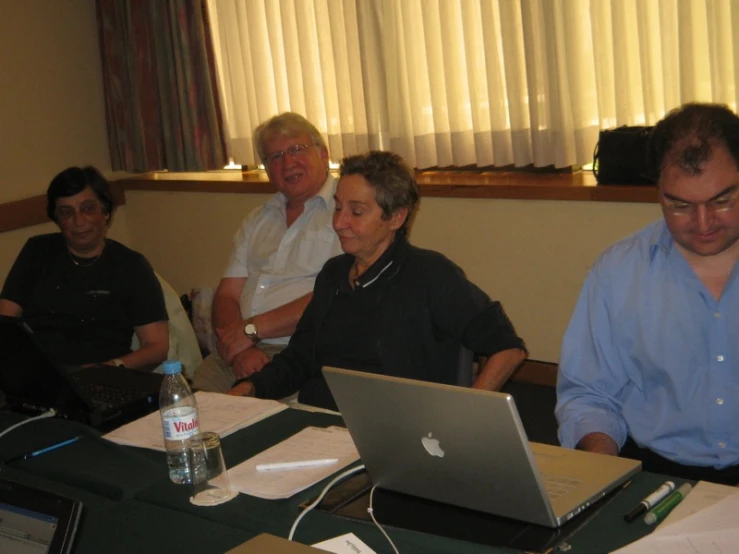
(180, 421)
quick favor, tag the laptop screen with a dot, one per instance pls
(25, 531)
(34, 521)
(28, 376)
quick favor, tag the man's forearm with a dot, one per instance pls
(226, 311)
(281, 321)
(599, 443)
(278, 322)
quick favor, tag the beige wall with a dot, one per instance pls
(531, 255)
(51, 103)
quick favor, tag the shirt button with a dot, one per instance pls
(719, 401)
(722, 444)
(720, 358)
(717, 315)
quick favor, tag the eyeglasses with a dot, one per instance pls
(295, 151)
(89, 208)
(720, 204)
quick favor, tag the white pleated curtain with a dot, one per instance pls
(470, 82)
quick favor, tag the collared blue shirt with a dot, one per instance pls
(650, 353)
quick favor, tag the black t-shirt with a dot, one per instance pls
(84, 313)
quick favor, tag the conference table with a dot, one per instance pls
(131, 506)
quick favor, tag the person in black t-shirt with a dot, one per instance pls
(83, 294)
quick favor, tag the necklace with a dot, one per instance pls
(85, 262)
(354, 273)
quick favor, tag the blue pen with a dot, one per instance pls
(35, 453)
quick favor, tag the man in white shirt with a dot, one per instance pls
(278, 251)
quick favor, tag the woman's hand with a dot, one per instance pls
(249, 361)
(242, 389)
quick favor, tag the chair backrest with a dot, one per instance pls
(183, 344)
(465, 368)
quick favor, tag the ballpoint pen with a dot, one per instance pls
(44, 450)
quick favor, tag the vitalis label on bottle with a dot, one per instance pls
(180, 424)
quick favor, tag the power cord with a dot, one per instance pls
(49, 413)
(327, 488)
(371, 512)
(317, 501)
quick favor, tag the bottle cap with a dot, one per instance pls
(171, 367)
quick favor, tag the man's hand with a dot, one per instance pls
(242, 389)
(232, 341)
(249, 361)
(600, 443)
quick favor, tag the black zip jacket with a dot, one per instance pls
(427, 309)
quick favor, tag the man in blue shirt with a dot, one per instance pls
(650, 361)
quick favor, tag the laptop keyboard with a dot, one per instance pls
(104, 396)
(556, 485)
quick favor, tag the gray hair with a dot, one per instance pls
(393, 180)
(287, 124)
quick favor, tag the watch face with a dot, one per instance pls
(250, 329)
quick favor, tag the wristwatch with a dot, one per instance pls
(251, 331)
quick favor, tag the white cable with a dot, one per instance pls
(371, 512)
(50, 413)
(317, 501)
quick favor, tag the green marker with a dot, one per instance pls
(660, 511)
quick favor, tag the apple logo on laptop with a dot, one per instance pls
(432, 446)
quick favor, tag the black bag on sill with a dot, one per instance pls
(620, 157)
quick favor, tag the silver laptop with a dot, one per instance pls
(468, 448)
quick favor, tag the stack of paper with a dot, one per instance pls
(703, 495)
(217, 412)
(312, 443)
(711, 529)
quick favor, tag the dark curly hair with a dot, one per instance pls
(687, 135)
(393, 180)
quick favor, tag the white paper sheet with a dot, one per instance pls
(345, 544)
(311, 443)
(221, 413)
(703, 495)
(712, 530)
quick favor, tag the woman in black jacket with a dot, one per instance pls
(385, 306)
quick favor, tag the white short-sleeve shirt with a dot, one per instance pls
(280, 263)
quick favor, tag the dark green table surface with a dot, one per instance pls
(131, 506)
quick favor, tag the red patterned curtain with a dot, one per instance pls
(161, 96)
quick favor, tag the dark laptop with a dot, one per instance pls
(35, 520)
(102, 396)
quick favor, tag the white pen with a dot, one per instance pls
(296, 465)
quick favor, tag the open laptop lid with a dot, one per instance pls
(34, 520)
(34, 382)
(460, 446)
(28, 377)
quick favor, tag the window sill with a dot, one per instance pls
(446, 184)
